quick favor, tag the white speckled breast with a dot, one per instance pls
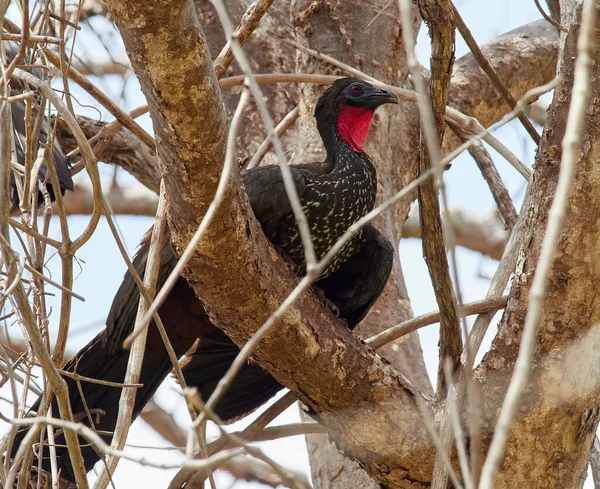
(332, 203)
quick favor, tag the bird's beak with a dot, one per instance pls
(379, 97)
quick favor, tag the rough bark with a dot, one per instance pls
(550, 441)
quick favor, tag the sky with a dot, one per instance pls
(102, 268)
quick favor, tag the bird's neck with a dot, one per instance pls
(353, 125)
(344, 129)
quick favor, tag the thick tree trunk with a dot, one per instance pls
(551, 438)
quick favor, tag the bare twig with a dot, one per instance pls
(32, 39)
(266, 145)
(100, 444)
(288, 476)
(248, 24)
(60, 287)
(559, 26)
(492, 177)
(136, 356)
(484, 233)
(521, 234)
(492, 304)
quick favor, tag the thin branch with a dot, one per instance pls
(484, 233)
(259, 424)
(248, 25)
(92, 437)
(267, 144)
(41, 276)
(32, 39)
(136, 356)
(492, 177)
(34, 234)
(559, 26)
(520, 235)
(289, 477)
(492, 304)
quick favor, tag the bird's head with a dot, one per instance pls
(346, 109)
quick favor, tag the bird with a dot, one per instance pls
(61, 163)
(20, 131)
(333, 194)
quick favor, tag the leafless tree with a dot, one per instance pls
(525, 416)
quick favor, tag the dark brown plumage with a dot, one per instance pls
(61, 163)
(334, 194)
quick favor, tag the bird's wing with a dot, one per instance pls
(61, 163)
(357, 284)
(267, 194)
(121, 317)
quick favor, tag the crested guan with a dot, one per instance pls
(334, 194)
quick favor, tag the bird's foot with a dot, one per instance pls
(325, 302)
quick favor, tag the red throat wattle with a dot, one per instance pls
(353, 125)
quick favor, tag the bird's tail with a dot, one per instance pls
(251, 387)
(97, 404)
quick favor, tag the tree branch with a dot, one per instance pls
(524, 58)
(439, 19)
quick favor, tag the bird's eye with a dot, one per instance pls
(355, 88)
